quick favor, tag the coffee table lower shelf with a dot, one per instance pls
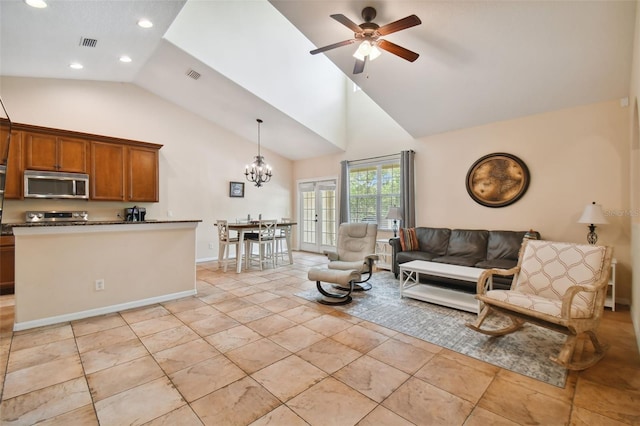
(443, 296)
(410, 285)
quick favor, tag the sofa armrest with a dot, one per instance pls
(395, 248)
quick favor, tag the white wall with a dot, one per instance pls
(197, 161)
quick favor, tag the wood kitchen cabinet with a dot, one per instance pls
(121, 172)
(55, 153)
(142, 174)
(7, 264)
(13, 183)
(118, 169)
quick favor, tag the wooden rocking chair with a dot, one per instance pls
(561, 286)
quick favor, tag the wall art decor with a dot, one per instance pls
(236, 189)
(497, 180)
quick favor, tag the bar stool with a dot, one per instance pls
(265, 239)
(224, 241)
(282, 248)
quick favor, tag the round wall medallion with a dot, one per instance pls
(497, 180)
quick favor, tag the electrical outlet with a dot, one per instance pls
(99, 285)
(211, 245)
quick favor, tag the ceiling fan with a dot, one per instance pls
(369, 34)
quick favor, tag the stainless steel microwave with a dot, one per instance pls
(39, 184)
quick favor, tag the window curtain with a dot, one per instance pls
(407, 188)
(343, 205)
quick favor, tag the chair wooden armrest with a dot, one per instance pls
(567, 298)
(484, 277)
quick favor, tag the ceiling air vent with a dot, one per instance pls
(88, 42)
(193, 74)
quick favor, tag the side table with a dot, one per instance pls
(385, 255)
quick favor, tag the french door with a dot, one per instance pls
(317, 209)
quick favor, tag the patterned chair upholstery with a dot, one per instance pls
(561, 286)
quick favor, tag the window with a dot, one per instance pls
(373, 188)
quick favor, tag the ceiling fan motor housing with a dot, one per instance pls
(368, 14)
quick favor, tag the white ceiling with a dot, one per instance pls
(480, 61)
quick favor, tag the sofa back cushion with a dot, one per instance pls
(470, 243)
(433, 240)
(504, 244)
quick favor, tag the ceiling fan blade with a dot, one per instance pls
(347, 22)
(332, 46)
(398, 50)
(359, 66)
(401, 24)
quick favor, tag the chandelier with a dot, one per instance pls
(258, 172)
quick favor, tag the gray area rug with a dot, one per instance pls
(525, 352)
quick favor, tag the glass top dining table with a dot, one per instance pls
(248, 227)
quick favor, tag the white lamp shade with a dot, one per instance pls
(394, 213)
(593, 214)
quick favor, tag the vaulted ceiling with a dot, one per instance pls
(480, 61)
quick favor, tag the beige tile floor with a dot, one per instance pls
(246, 350)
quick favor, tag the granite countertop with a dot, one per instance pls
(7, 228)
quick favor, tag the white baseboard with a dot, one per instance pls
(205, 259)
(25, 325)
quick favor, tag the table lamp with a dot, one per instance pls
(395, 215)
(593, 215)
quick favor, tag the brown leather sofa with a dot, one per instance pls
(477, 248)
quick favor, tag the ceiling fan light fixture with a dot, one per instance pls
(374, 53)
(363, 50)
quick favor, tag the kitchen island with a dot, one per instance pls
(68, 271)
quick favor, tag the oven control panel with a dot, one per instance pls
(56, 216)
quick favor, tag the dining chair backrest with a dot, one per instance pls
(267, 229)
(223, 230)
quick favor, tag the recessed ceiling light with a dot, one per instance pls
(125, 58)
(39, 4)
(76, 65)
(145, 23)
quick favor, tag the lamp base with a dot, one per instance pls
(592, 237)
(395, 228)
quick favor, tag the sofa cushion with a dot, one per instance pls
(496, 263)
(470, 243)
(458, 260)
(408, 256)
(408, 239)
(504, 244)
(433, 240)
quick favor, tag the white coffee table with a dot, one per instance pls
(410, 285)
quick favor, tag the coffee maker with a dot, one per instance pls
(135, 214)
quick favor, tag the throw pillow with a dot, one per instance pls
(408, 239)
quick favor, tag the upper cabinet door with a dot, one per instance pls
(13, 184)
(47, 152)
(107, 171)
(41, 152)
(73, 155)
(143, 174)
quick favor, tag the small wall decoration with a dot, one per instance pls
(497, 180)
(236, 189)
